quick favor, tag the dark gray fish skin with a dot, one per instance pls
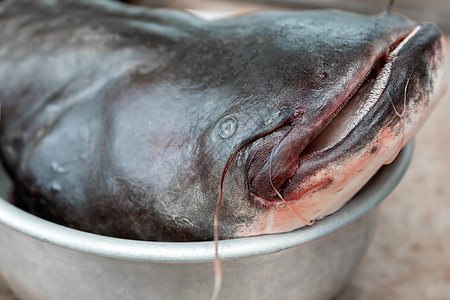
(119, 120)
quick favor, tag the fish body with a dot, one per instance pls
(129, 122)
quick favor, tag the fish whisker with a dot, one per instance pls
(307, 222)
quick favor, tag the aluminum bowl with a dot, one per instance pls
(42, 260)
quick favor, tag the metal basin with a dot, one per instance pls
(42, 260)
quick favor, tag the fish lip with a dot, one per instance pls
(375, 92)
(396, 45)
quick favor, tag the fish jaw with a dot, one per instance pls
(274, 161)
(326, 179)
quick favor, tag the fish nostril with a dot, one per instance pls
(273, 118)
(227, 127)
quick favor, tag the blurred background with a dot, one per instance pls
(409, 257)
(436, 11)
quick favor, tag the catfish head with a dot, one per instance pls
(326, 99)
(137, 123)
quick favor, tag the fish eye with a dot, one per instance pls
(227, 127)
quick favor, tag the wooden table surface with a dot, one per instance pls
(409, 257)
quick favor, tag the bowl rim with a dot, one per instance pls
(191, 252)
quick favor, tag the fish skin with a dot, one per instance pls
(119, 120)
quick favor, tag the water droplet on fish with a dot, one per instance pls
(240, 160)
(144, 69)
(56, 187)
(186, 221)
(57, 167)
(227, 127)
(9, 149)
(85, 133)
(53, 110)
(40, 133)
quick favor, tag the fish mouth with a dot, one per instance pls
(272, 184)
(352, 111)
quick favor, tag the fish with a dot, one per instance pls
(154, 124)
